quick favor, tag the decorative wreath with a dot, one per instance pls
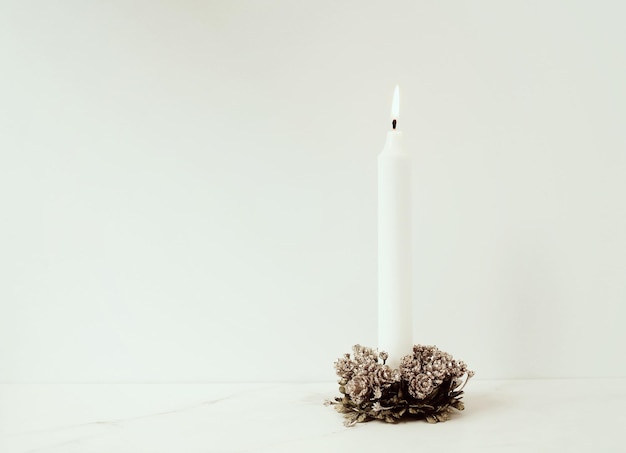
(426, 386)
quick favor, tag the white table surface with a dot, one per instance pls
(516, 415)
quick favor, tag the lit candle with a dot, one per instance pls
(395, 332)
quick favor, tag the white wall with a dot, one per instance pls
(187, 189)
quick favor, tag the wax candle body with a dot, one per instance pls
(395, 332)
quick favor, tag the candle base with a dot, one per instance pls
(427, 386)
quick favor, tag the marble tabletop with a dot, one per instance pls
(501, 415)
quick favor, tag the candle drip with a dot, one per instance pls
(393, 124)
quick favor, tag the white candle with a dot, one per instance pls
(395, 330)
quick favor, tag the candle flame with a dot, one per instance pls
(395, 104)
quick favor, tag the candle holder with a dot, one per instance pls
(427, 386)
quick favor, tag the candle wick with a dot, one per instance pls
(393, 124)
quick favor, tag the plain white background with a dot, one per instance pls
(188, 189)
